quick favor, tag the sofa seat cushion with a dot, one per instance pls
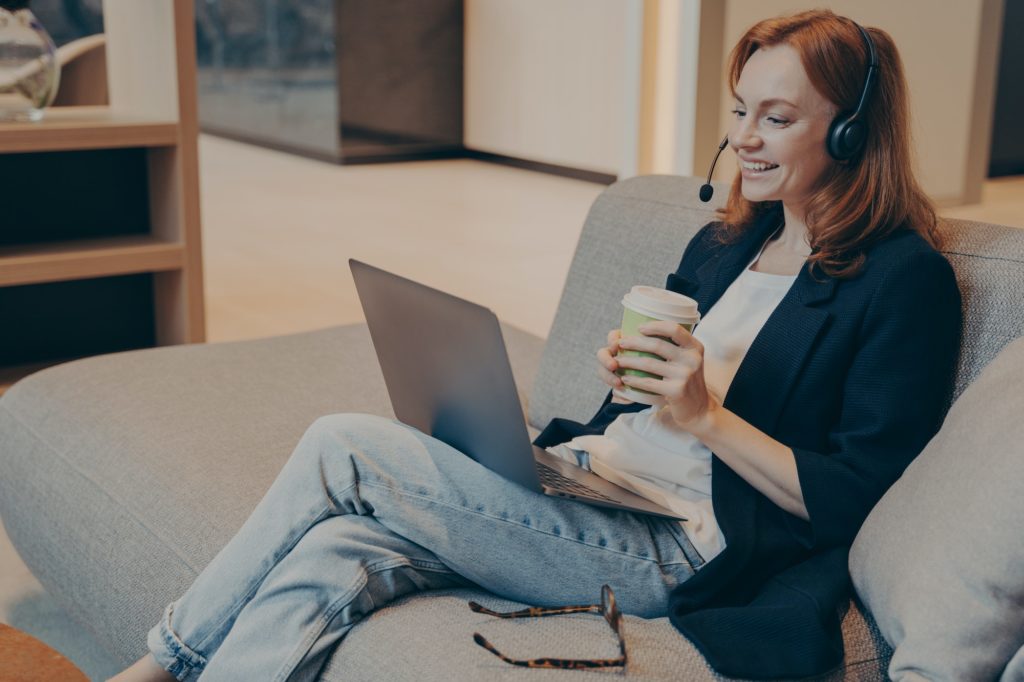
(429, 638)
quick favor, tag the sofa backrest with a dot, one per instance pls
(635, 233)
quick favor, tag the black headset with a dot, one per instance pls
(848, 132)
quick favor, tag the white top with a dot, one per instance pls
(646, 452)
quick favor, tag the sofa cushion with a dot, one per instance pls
(940, 560)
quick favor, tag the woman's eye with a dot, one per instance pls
(777, 121)
(738, 113)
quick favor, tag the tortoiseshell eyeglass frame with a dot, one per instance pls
(606, 608)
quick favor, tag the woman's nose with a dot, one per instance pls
(744, 135)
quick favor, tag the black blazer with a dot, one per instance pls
(855, 376)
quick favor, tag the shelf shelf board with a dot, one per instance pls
(59, 261)
(71, 128)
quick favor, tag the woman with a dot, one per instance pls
(820, 369)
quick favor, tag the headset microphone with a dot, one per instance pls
(706, 190)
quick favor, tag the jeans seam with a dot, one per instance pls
(186, 659)
(240, 603)
(286, 669)
(338, 604)
(682, 540)
(400, 491)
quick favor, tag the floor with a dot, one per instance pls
(1002, 202)
(276, 259)
(278, 230)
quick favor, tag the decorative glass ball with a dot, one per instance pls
(29, 72)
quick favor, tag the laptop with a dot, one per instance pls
(448, 375)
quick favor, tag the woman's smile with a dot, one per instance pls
(754, 170)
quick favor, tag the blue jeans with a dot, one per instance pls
(367, 510)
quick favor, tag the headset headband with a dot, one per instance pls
(848, 133)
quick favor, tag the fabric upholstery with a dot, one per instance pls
(989, 264)
(940, 560)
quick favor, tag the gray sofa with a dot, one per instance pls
(122, 475)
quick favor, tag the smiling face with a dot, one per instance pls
(779, 129)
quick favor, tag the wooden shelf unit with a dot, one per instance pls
(71, 128)
(61, 261)
(151, 80)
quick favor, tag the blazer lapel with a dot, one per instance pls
(757, 394)
(779, 351)
(735, 508)
(716, 274)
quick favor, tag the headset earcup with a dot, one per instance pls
(845, 138)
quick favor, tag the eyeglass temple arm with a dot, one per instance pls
(563, 663)
(534, 611)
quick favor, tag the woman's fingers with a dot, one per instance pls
(607, 361)
(607, 355)
(613, 342)
(678, 353)
(650, 344)
(654, 341)
(679, 368)
(610, 378)
(606, 369)
(664, 387)
(676, 333)
(676, 363)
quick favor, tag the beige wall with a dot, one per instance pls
(949, 53)
(627, 86)
(555, 81)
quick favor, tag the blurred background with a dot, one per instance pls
(606, 87)
(509, 116)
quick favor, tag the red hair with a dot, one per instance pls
(859, 202)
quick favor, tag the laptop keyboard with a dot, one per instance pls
(553, 479)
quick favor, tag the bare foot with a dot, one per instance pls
(146, 669)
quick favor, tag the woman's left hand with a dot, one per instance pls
(682, 370)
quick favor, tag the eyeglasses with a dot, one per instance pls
(606, 608)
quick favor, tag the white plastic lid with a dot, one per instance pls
(661, 304)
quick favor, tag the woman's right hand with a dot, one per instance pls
(607, 364)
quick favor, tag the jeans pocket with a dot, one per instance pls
(675, 543)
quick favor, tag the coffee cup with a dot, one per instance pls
(645, 304)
